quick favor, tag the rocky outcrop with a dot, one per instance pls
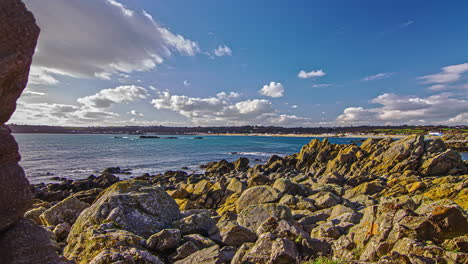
(383, 202)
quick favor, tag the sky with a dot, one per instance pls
(227, 63)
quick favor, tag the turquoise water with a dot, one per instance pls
(78, 156)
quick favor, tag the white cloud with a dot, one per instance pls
(215, 110)
(272, 90)
(397, 109)
(31, 94)
(59, 114)
(449, 74)
(294, 106)
(223, 51)
(88, 39)
(224, 95)
(378, 76)
(135, 113)
(305, 75)
(107, 97)
(187, 83)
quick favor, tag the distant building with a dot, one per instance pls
(435, 133)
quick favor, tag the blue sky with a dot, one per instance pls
(141, 62)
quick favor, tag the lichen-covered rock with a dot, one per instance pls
(61, 231)
(201, 223)
(67, 210)
(267, 249)
(34, 214)
(211, 255)
(257, 195)
(134, 206)
(253, 216)
(132, 255)
(232, 234)
(165, 240)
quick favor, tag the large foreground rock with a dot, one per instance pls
(133, 206)
(27, 243)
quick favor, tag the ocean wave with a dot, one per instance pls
(265, 154)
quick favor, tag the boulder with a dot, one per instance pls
(138, 209)
(26, 242)
(61, 231)
(211, 255)
(267, 249)
(257, 195)
(185, 250)
(242, 164)
(67, 210)
(253, 216)
(132, 255)
(232, 234)
(201, 223)
(34, 214)
(165, 240)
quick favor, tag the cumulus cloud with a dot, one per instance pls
(87, 39)
(449, 74)
(212, 110)
(396, 109)
(223, 51)
(59, 114)
(378, 76)
(107, 97)
(273, 89)
(305, 75)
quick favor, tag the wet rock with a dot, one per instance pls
(67, 210)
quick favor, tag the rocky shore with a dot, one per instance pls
(386, 201)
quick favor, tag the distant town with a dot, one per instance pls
(257, 130)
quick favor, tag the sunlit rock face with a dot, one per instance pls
(21, 241)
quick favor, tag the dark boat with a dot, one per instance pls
(147, 137)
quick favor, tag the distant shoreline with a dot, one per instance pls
(241, 134)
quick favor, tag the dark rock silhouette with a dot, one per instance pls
(21, 241)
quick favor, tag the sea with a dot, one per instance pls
(77, 156)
